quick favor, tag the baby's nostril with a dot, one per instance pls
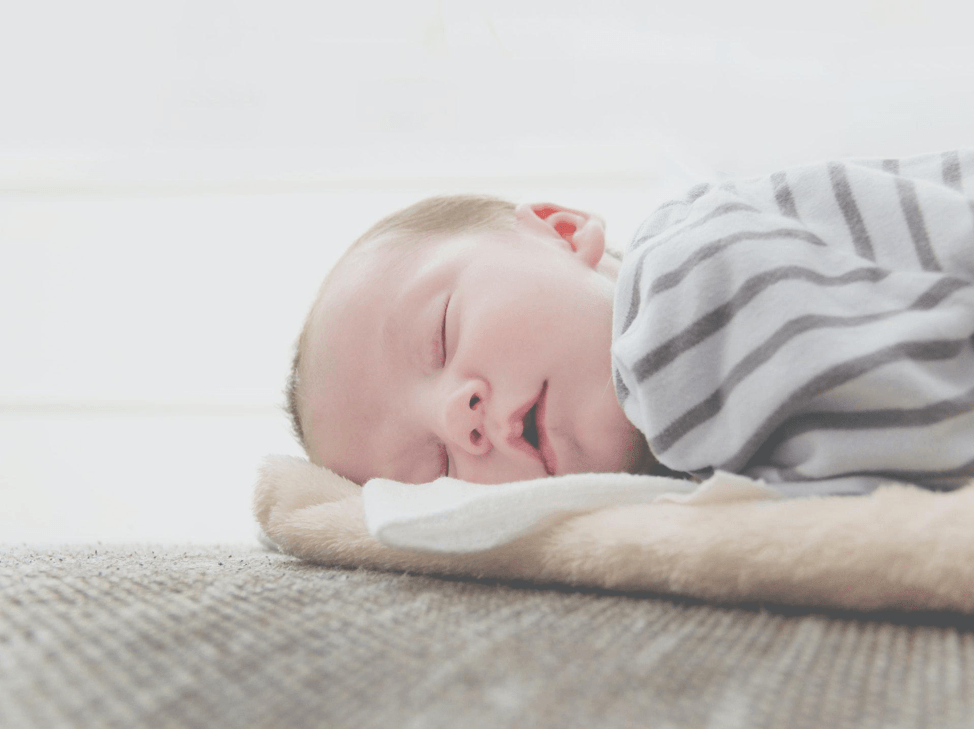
(473, 401)
(475, 437)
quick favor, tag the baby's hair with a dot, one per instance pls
(443, 215)
(427, 219)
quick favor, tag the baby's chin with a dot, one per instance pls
(619, 448)
(634, 455)
(616, 444)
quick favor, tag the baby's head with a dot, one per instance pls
(464, 336)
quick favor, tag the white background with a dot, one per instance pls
(177, 177)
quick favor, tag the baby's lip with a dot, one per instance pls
(544, 453)
(544, 445)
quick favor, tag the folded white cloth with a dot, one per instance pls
(456, 517)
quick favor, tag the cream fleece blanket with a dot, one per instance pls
(728, 540)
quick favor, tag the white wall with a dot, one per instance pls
(219, 90)
(177, 177)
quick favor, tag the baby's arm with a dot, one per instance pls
(795, 328)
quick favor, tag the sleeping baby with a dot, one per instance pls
(811, 328)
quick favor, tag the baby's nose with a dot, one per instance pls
(465, 416)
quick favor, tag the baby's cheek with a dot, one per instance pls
(622, 447)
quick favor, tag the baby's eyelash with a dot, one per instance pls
(443, 334)
(446, 306)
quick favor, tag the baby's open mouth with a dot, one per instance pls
(530, 436)
(530, 433)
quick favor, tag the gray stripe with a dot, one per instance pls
(696, 192)
(710, 406)
(782, 193)
(850, 211)
(668, 204)
(935, 479)
(938, 292)
(965, 470)
(693, 194)
(709, 324)
(915, 222)
(636, 296)
(753, 452)
(622, 392)
(657, 223)
(910, 205)
(879, 419)
(669, 280)
(951, 170)
(717, 212)
(635, 299)
(950, 165)
(813, 486)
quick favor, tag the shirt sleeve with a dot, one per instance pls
(812, 325)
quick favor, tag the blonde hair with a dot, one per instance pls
(430, 218)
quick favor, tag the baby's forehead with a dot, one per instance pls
(382, 268)
(361, 287)
(355, 274)
(385, 255)
(366, 279)
(398, 257)
(394, 249)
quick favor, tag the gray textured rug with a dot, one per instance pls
(231, 636)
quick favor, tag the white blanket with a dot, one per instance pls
(729, 539)
(456, 517)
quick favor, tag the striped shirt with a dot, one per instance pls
(811, 328)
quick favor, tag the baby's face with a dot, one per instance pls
(484, 357)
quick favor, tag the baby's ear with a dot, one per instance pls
(583, 233)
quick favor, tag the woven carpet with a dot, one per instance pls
(231, 636)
